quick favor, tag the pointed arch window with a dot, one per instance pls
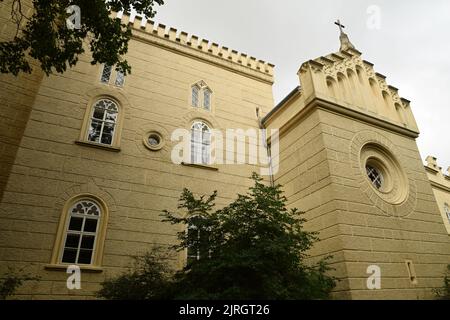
(103, 122)
(201, 96)
(108, 72)
(200, 143)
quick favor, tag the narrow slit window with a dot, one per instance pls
(411, 272)
(207, 99)
(120, 79)
(106, 74)
(195, 96)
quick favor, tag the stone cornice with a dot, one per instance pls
(439, 186)
(318, 103)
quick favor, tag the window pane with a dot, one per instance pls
(87, 242)
(108, 132)
(106, 74)
(75, 224)
(72, 241)
(69, 256)
(99, 113)
(207, 99)
(375, 176)
(94, 131)
(205, 154)
(93, 209)
(195, 97)
(111, 116)
(85, 256)
(119, 79)
(78, 208)
(90, 225)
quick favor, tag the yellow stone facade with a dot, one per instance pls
(344, 114)
(440, 183)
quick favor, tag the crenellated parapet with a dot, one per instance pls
(346, 79)
(192, 45)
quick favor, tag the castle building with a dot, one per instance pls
(87, 162)
(440, 182)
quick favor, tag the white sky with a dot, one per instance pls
(411, 47)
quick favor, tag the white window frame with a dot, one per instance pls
(102, 75)
(200, 147)
(103, 122)
(377, 176)
(202, 90)
(197, 256)
(119, 76)
(81, 233)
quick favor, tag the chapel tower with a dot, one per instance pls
(348, 157)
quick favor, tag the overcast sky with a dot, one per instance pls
(411, 45)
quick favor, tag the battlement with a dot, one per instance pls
(433, 165)
(221, 54)
(344, 77)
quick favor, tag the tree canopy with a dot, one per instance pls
(46, 37)
(254, 248)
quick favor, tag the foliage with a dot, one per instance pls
(254, 248)
(149, 279)
(444, 292)
(11, 281)
(45, 36)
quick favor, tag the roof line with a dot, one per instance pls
(279, 105)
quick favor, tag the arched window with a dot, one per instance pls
(198, 239)
(200, 143)
(80, 235)
(103, 121)
(447, 211)
(201, 96)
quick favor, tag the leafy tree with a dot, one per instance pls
(11, 281)
(444, 292)
(150, 279)
(46, 37)
(254, 248)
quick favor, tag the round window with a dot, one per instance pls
(384, 173)
(153, 141)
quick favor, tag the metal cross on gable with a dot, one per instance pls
(341, 26)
